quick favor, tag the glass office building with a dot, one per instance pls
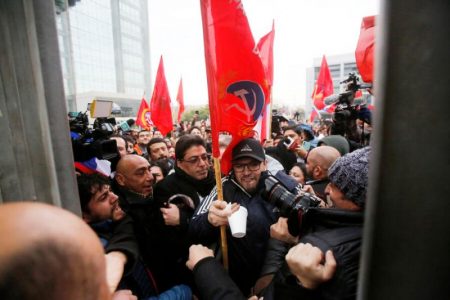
(104, 48)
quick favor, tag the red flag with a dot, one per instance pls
(322, 88)
(324, 85)
(143, 118)
(265, 47)
(365, 49)
(180, 100)
(160, 102)
(238, 91)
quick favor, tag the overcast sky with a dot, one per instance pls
(304, 30)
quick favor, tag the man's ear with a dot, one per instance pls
(317, 171)
(120, 179)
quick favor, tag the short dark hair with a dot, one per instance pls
(129, 139)
(185, 142)
(85, 184)
(155, 140)
(143, 130)
(302, 167)
(163, 164)
(297, 129)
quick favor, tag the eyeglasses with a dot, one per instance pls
(252, 166)
(196, 159)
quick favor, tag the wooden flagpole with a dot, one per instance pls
(223, 232)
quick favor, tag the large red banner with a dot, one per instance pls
(237, 85)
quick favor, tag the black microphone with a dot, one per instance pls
(130, 122)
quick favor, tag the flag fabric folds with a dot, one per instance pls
(143, 118)
(237, 86)
(180, 100)
(365, 48)
(322, 88)
(160, 102)
(265, 48)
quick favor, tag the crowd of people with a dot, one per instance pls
(157, 217)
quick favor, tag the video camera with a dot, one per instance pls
(291, 206)
(88, 143)
(348, 109)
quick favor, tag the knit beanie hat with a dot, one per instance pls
(336, 141)
(350, 174)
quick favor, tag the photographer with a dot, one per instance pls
(349, 111)
(325, 264)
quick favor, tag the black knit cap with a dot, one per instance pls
(248, 148)
(350, 173)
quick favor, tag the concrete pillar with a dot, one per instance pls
(36, 160)
(407, 229)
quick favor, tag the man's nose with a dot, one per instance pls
(114, 198)
(149, 176)
(246, 170)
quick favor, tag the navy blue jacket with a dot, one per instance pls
(247, 254)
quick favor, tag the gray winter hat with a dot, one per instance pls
(350, 173)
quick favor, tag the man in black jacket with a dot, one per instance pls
(325, 264)
(243, 187)
(178, 195)
(133, 184)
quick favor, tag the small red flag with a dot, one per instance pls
(180, 100)
(237, 86)
(143, 118)
(265, 47)
(322, 88)
(365, 48)
(160, 102)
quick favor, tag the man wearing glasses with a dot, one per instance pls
(242, 187)
(176, 196)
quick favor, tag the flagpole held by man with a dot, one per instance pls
(237, 89)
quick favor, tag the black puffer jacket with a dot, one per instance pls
(327, 229)
(156, 245)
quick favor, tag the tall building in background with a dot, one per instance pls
(340, 66)
(105, 53)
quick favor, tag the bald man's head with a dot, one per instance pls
(319, 160)
(133, 173)
(49, 253)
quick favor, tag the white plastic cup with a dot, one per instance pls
(238, 222)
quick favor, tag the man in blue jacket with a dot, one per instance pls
(243, 187)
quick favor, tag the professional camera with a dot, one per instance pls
(89, 143)
(348, 110)
(291, 206)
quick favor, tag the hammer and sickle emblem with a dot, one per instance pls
(251, 94)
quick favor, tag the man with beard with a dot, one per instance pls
(318, 162)
(243, 187)
(100, 209)
(157, 151)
